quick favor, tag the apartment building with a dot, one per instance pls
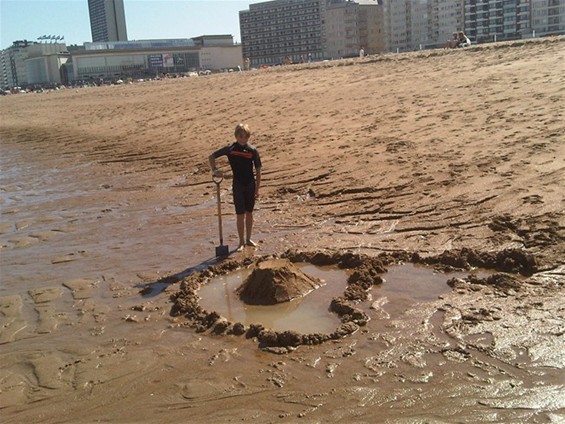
(497, 20)
(352, 25)
(25, 63)
(417, 24)
(107, 20)
(548, 17)
(276, 31)
(420, 24)
(12, 62)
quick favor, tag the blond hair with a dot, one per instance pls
(242, 129)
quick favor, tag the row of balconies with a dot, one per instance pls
(271, 52)
(258, 26)
(285, 37)
(268, 15)
(266, 45)
(253, 49)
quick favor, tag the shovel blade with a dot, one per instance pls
(222, 251)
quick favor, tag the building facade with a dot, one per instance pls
(151, 58)
(352, 25)
(487, 20)
(107, 20)
(548, 17)
(44, 63)
(27, 63)
(12, 61)
(416, 24)
(420, 24)
(279, 30)
(498, 20)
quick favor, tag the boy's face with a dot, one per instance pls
(242, 138)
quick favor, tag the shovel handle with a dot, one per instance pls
(217, 181)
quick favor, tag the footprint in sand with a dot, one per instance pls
(47, 369)
(44, 299)
(5, 228)
(21, 242)
(81, 288)
(11, 318)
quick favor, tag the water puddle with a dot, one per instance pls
(404, 285)
(310, 314)
(418, 282)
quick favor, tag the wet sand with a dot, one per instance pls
(106, 193)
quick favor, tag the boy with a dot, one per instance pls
(242, 158)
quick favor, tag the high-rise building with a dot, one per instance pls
(275, 31)
(548, 17)
(107, 20)
(496, 20)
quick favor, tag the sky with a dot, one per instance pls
(145, 19)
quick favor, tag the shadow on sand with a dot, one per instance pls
(155, 288)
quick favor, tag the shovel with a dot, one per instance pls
(221, 250)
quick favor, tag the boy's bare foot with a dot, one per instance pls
(240, 248)
(251, 243)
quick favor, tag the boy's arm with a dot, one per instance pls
(257, 181)
(215, 171)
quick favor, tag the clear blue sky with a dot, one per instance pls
(145, 19)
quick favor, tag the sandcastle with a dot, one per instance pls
(275, 281)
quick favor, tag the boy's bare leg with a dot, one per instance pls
(240, 230)
(249, 228)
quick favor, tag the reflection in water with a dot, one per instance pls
(404, 285)
(307, 315)
(417, 282)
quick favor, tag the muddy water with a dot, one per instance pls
(74, 240)
(310, 314)
(404, 285)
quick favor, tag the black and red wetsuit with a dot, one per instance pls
(242, 159)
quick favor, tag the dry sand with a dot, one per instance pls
(106, 192)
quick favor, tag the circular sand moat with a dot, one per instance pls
(277, 280)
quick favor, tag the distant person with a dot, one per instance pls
(287, 61)
(459, 40)
(454, 42)
(463, 40)
(362, 53)
(247, 64)
(242, 158)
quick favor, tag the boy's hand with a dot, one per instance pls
(217, 173)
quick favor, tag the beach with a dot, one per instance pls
(442, 157)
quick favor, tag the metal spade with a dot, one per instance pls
(221, 250)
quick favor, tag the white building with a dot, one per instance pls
(149, 58)
(27, 63)
(44, 63)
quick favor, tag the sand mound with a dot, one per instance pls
(276, 281)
